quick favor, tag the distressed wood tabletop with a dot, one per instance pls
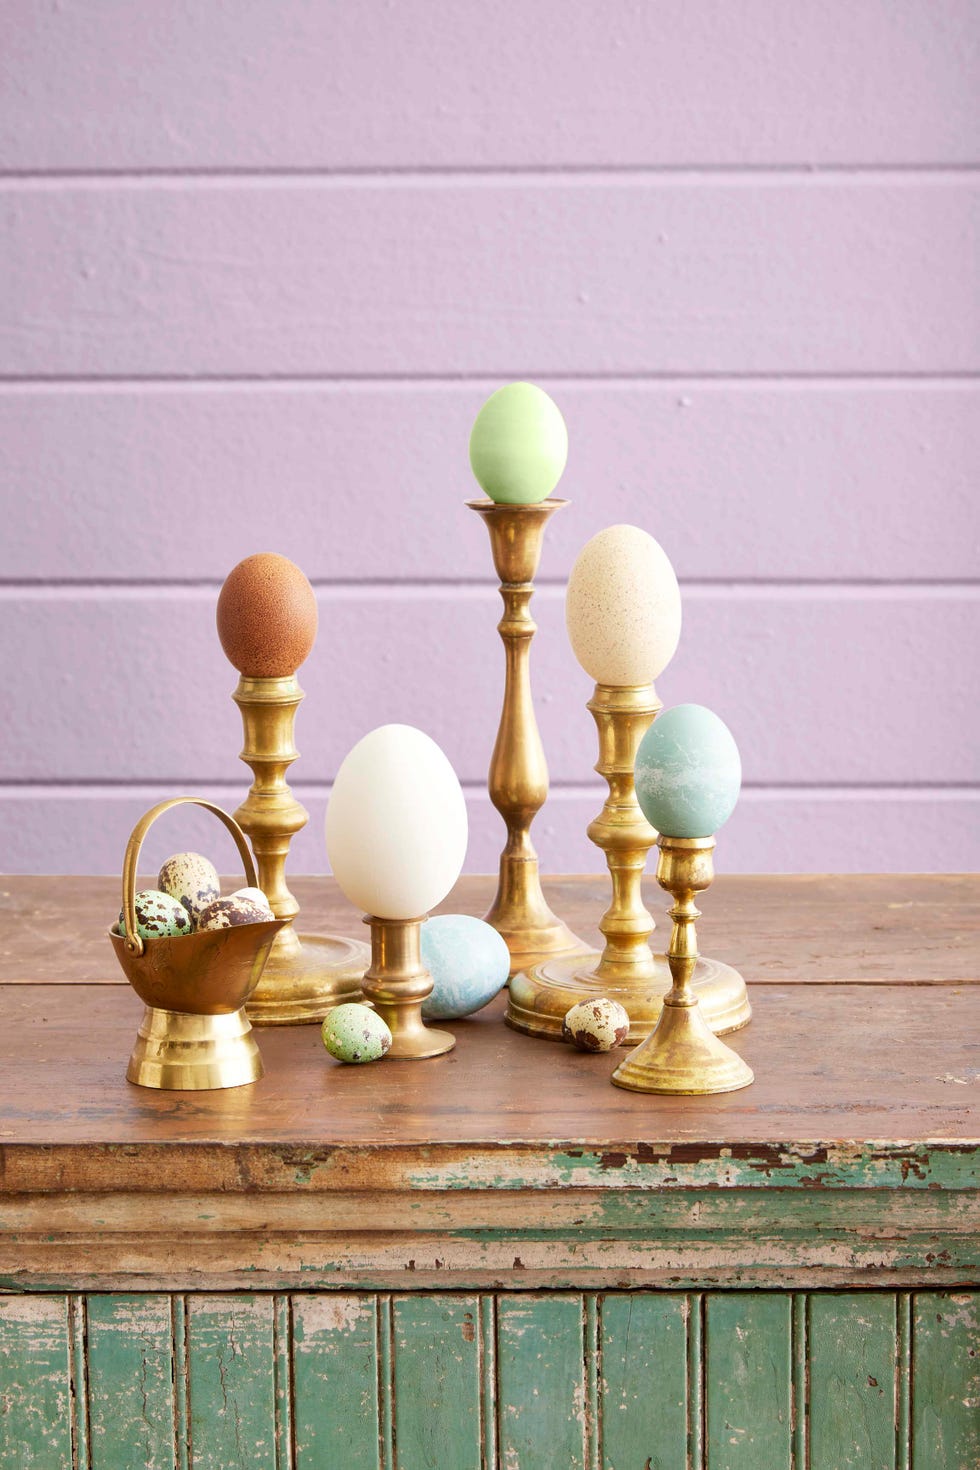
(852, 1159)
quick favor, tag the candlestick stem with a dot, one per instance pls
(305, 976)
(518, 776)
(396, 983)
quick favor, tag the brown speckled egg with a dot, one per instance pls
(226, 913)
(267, 616)
(596, 1025)
(256, 896)
(158, 916)
(192, 880)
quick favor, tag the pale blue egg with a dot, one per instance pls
(468, 961)
(688, 772)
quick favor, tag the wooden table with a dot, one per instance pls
(495, 1257)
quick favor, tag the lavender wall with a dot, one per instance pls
(263, 261)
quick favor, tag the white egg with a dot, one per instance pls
(623, 607)
(396, 824)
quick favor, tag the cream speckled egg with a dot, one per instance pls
(226, 913)
(596, 1025)
(192, 880)
(256, 896)
(355, 1033)
(158, 916)
(623, 607)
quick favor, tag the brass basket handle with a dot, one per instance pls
(134, 940)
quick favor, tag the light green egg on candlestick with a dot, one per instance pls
(688, 772)
(519, 445)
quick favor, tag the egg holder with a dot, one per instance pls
(552, 970)
(305, 975)
(518, 777)
(682, 1055)
(195, 1034)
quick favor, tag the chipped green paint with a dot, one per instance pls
(853, 1339)
(748, 1379)
(437, 1387)
(231, 1381)
(607, 1381)
(946, 1397)
(130, 1382)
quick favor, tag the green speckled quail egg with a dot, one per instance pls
(256, 896)
(158, 916)
(355, 1033)
(226, 913)
(193, 880)
(596, 1025)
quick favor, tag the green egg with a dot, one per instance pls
(158, 916)
(688, 772)
(519, 445)
(355, 1033)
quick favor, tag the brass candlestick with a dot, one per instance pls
(305, 975)
(626, 970)
(518, 777)
(683, 1055)
(267, 622)
(396, 983)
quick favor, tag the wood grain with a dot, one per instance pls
(871, 929)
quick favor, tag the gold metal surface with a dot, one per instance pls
(682, 1054)
(518, 777)
(195, 1033)
(396, 983)
(306, 975)
(626, 970)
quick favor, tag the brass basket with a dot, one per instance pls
(195, 1034)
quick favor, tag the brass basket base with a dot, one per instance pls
(302, 984)
(683, 1057)
(541, 996)
(183, 1052)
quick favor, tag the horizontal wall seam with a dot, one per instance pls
(940, 171)
(564, 790)
(490, 377)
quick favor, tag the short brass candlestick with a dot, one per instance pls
(305, 975)
(396, 983)
(626, 970)
(683, 1055)
(518, 778)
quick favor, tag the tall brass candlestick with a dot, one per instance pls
(267, 624)
(623, 615)
(518, 778)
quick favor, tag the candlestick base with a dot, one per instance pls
(306, 977)
(683, 1056)
(542, 995)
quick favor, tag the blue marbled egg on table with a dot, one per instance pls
(468, 961)
(688, 772)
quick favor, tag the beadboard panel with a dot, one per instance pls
(510, 1379)
(84, 830)
(134, 686)
(772, 481)
(409, 276)
(376, 85)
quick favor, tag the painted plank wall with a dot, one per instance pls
(262, 264)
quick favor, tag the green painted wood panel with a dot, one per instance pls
(748, 1377)
(35, 1383)
(131, 1383)
(853, 1352)
(946, 1382)
(643, 1381)
(540, 1374)
(437, 1382)
(336, 1411)
(231, 1382)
